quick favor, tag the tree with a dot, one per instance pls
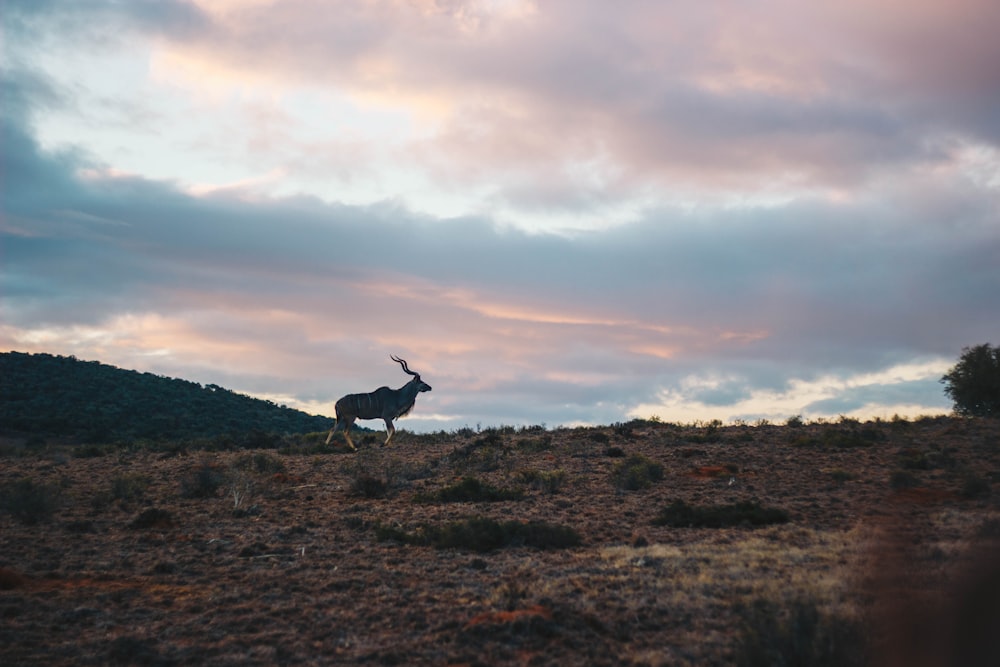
(973, 384)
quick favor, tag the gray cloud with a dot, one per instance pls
(893, 259)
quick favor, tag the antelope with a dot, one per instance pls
(384, 403)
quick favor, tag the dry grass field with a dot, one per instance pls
(641, 543)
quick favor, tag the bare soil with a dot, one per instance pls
(164, 556)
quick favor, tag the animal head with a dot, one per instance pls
(421, 385)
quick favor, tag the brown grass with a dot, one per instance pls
(163, 569)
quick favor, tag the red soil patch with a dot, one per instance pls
(709, 472)
(503, 617)
(282, 478)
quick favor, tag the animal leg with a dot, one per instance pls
(390, 431)
(347, 434)
(329, 435)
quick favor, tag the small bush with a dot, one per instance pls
(153, 518)
(840, 476)
(681, 515)
(263, 463)
(482, 535)
(484, 454)
(545, 481)
(902, 479)
(89, 451)
(539, 444)
(128, 487)
(470, 490)
(203, 482)
(975, 486)
(635, 473)
(368, 486)
(31, 502)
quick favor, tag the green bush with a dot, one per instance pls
(973, 384)
(975, 486)
(902, 479)
(545, 481)
(261, 462)
(681, 515)
(31, 502)
(482, 535)
(368, 486)
(154, 517)
(204, 482)
(470, 490)
(636, 472)
(128, 487)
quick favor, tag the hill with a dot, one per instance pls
(94, 402)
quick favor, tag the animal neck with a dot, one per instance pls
(410, 388)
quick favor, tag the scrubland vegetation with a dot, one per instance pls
(646, 543)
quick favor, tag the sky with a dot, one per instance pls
(559, 212)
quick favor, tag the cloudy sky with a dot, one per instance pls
(559, 211)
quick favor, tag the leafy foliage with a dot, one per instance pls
(973, 384)
(470, 490)
(681, 515)
(483, 535)
(29, 501)
(635, 473)
(42, 393)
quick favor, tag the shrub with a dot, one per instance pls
(482, 534)
(260, 462)
(903, 480)
(973, 384)
(203, 482)
(840, 475)
(975, 486)
(681, 515)
(153, 518)
(547, 482)
(31, 502)
(128, 487)
(470, 490)
(484, 454)
(539, 444)
(844, 436)
(368, 486)
(635, 473)
(89, 451)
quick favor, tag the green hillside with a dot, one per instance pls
(94, 402)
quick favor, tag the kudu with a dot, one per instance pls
(384, 403)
